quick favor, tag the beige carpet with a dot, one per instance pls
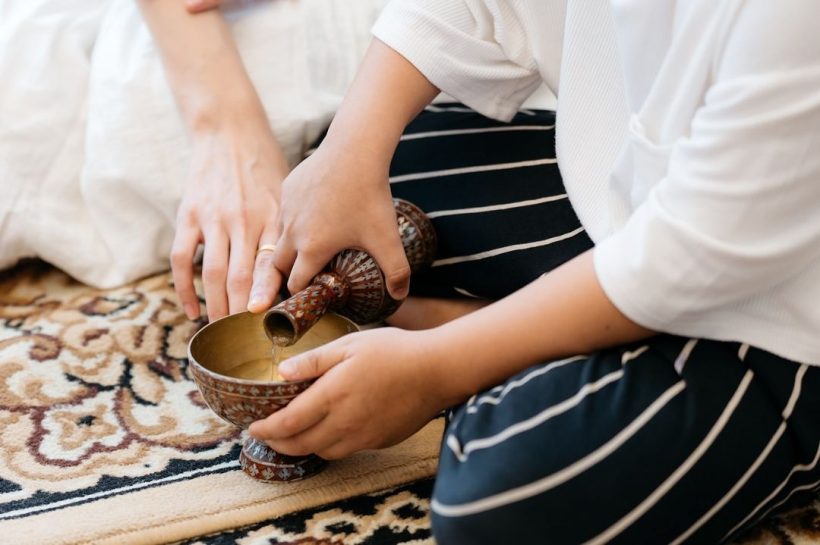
(401, 517)
(104, 438)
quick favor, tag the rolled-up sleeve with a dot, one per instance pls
(479, 52)
(738, 212)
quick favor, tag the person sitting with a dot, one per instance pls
(656, 382)
(102, 176)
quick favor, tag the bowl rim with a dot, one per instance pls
(243, 381)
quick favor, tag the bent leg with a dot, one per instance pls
(498, 204)
(668, 441)
(495, 195)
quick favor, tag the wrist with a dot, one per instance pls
(370, 145)
(366, 165)
(245, 147)
(449, 382)
(231, 112)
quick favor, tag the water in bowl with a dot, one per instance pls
(259, 369)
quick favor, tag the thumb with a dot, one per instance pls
(388, 252)
(311, 364)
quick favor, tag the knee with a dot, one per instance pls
(452, 519)
(489, 525)
(458, 514)
(479, 500)
(448, 530)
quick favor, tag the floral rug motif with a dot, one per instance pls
(104, 437)
(93, 381)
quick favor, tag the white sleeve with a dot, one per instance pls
(739, 210)
(477, 51)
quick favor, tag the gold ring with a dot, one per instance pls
(266, 248)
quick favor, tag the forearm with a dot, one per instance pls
(387, 93)
(202, 65)
(563, 313)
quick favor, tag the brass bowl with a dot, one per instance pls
(230, 361)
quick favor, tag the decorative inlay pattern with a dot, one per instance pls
(353, 285)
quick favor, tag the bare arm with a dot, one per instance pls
(231, 198)
(201, 63)
(349, 172)
(563, 313)
(407, 377)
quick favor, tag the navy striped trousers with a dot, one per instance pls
(671, 440)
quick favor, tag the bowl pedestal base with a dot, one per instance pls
(265, 464)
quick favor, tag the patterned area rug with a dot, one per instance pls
(105, 438)
(391, 517)
(401, 516)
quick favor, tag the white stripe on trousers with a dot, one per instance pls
(494, 207)
(629, 356)
(457, 132)
(507, 249)
(532, 422)
(798, 379)
(681, 471)
(470, 170)
(815, 486)
(775, 492)
(517, 383)
(683, 357)
(466, 293)
(550, 481)
(462, 109)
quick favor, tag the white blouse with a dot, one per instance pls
(688, 138)
(94, 156)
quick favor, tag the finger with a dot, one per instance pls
(240, 271)
(304, 412)
(284, 256)
(304, 269)
(266, 277)
(388, 251)
(266, 283)
(214, 274)
(186, 240)
(341, 449)
(320, 438)
(313, 363)
(197, 6)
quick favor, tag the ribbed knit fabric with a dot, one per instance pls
(591, 125)
(476, 50)
(688, 138)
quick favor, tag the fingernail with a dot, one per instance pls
(193, 3)
(287, 367)
(256, 301)
(191, 311)
(401, 292)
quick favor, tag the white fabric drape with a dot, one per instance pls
(93, 154)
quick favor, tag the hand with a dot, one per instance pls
(375, 389)
(197, 6)
(338, 199)
(230, 205)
